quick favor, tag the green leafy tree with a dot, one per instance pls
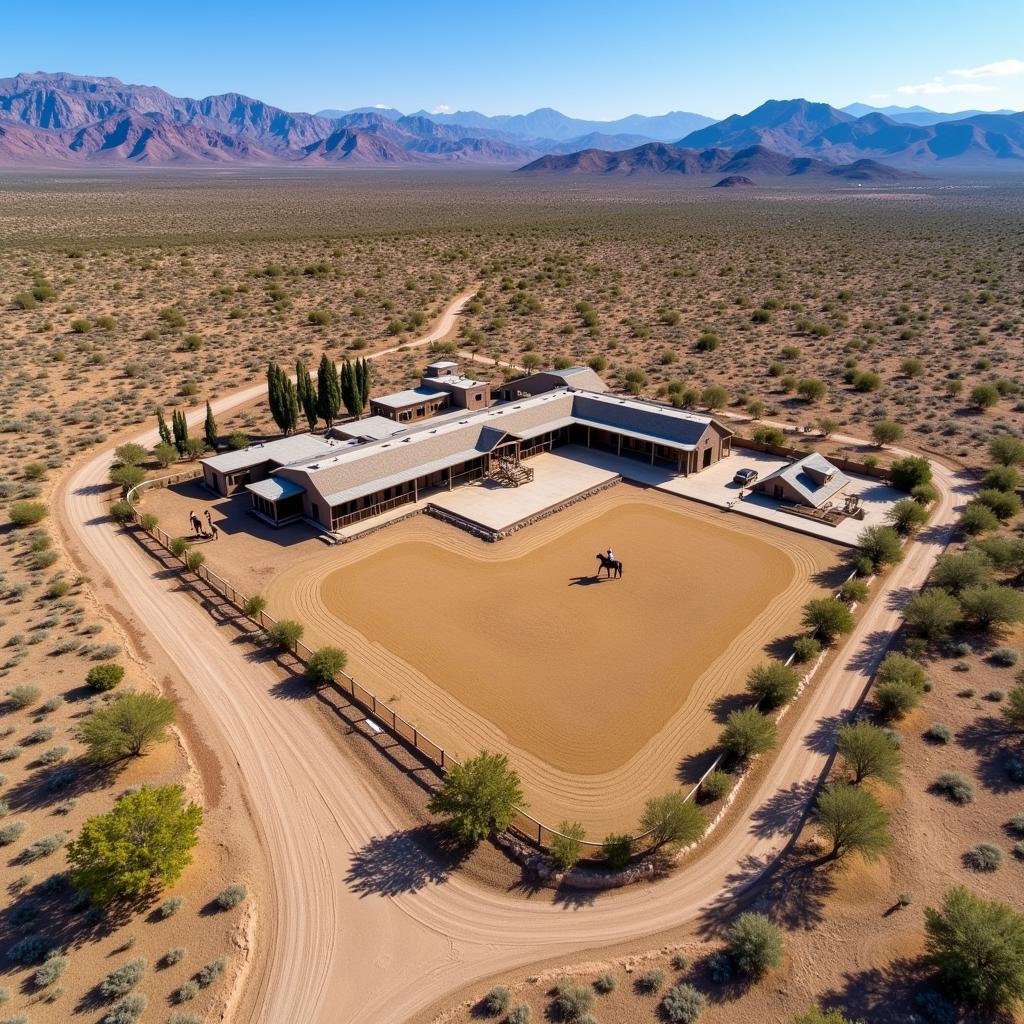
(977, 947)
(478, 797)
(811, 389)
(984, 396)
(1006, 450)
(747, 732)
(774, 683)
(286, 633)
(672, 820)
(1001, 478)
(869, 752)
(978, 518)
(932, 613)
(126, 727)
(1005, 553)
(907, 516)
(755, 945)
(104, 677)
(909, 472)
(886, 432)
(328, 392)
(130, 454)
(567, 848)
(955, 572)
(144, 841)
(880, 544)
(895, 700)
(829, 616)
(165, 454)
(992, 606)
(899, 668)
(325, 664)
(851, 819)
(210, 434)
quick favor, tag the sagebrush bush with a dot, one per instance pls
(572, 1001)
(519, 1014)
(187, 991)
(11, 832)
(954, 786)
(938, 732)
(605, 984)
(128, 1010)
(984, 857)
(650, 981)
(172, 956)
(171, 906)
(24, 695)
(680, 962)
(123, 979)
(209, 973)
(231, 895)
(1005, 656)
(53, 967)
(496, 1001)
(682, 1004)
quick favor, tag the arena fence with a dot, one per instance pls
(527, 827)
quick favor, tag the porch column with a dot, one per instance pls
(619, 452)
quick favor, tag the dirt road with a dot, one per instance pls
(404, 938)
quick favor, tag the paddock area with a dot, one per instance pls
(602, 692)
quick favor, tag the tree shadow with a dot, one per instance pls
(692, 767)
(405, 862)
(823, 737)
(785, 812)
(59, 782)
(722, 707)
(870, 653)
(994, 744)
(293, 687)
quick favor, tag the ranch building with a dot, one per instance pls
(441, 387)
(363, 468)
(811, 481)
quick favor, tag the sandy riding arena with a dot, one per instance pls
(602, 691)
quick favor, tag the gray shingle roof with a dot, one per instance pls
(284, 451)
(813, 477)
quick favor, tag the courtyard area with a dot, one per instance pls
(602, 691)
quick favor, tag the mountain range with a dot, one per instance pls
(53, 119)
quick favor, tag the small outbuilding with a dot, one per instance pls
(810, 481)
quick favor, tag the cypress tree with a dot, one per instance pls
(161, 426)
(274, 393)
(352, 388)
(307, 393)
(179, 430)
(210, 435)
(365, 382)
(289, 405)
(328, 393)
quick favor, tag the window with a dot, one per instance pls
(478, 397)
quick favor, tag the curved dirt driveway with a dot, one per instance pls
(337, 954)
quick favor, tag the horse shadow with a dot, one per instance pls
(587, 581)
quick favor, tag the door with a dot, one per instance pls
(707, 458)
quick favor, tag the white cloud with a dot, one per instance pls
(380, 106)
(998, 69)
(442, 108)
(937, 87)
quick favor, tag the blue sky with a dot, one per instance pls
(596, 59)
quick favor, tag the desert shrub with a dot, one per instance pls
(185, 1018)
(671, 820)
(52, 969)
(496, 1001)
(23, 695)
(605, 984)
(755, 945)
(898, 668)
(173, 956)
(124, 978)
(853, 591)
(617, 849)
(1005, 657)
(956, 572)
(32, 949)
(955, 787)
(806, 648)
(122, 512)
(650, 981)
(1017, 824)
(567, 848)
(325, 664)
(572, 1001)
(11, 832)
(40, 735)
(171, 906)
(230, 896)
(44, 847)
(1001, 478)
(178, 546)
(27, 513)
(829, 616)
(519, 1014)
(774, 683)
(105, 676)
(680, 962)
(747, 732)
(989, 606)
(984, 857)
(895, 700)
(286, 633)
(938, 732)
(209, 973)
(254, 605)
(977, 518)
(187, 991)
(11, 753)
(716, 785)
(128, 1010)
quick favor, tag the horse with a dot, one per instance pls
(610, 565)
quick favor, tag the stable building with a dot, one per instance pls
(346, 479)
(811, 482)
(441, 387)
